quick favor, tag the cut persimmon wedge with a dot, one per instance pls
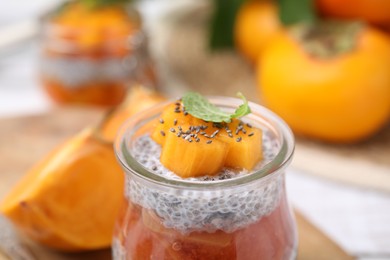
(138, 98)
(70, 200)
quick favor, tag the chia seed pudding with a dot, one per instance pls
(205, 210)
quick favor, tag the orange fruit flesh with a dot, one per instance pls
(138, 98)
(208, 149)
(247, 152)
(196, 158)
(90, 29)
(60, 202)
(168, 120)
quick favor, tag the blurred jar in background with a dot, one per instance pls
(92, 54)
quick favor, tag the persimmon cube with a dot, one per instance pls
(169, 119)
(244, 147)
(188, 157)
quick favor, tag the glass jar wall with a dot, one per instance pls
(247, 217)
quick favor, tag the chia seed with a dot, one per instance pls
(214, 134)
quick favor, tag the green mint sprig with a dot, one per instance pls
(199, 107)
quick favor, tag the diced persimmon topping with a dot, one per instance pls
(192, 147)
(194, 155)
(172, 116)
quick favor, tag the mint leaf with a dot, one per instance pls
(242, 110)
(199, 107)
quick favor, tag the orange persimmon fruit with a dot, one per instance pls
(339, 95)
(256, 23)
(138, 98)
(373, 11)
(69, 201)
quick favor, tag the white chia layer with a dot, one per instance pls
(226, 209)
(73, 72)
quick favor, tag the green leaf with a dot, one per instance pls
(296, 11)
(242, 110)
(199, 107)
(222, 23)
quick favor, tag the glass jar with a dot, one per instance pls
(92, 55)
(245, 217)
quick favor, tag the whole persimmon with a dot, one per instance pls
(374, 11)
(329, 82)
(256, 23)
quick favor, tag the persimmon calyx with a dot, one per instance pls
(327, 39)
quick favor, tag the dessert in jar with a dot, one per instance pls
(92, 52)
(205, 181)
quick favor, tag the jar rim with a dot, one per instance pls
(276, 165)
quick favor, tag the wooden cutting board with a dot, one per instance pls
(25, 140)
